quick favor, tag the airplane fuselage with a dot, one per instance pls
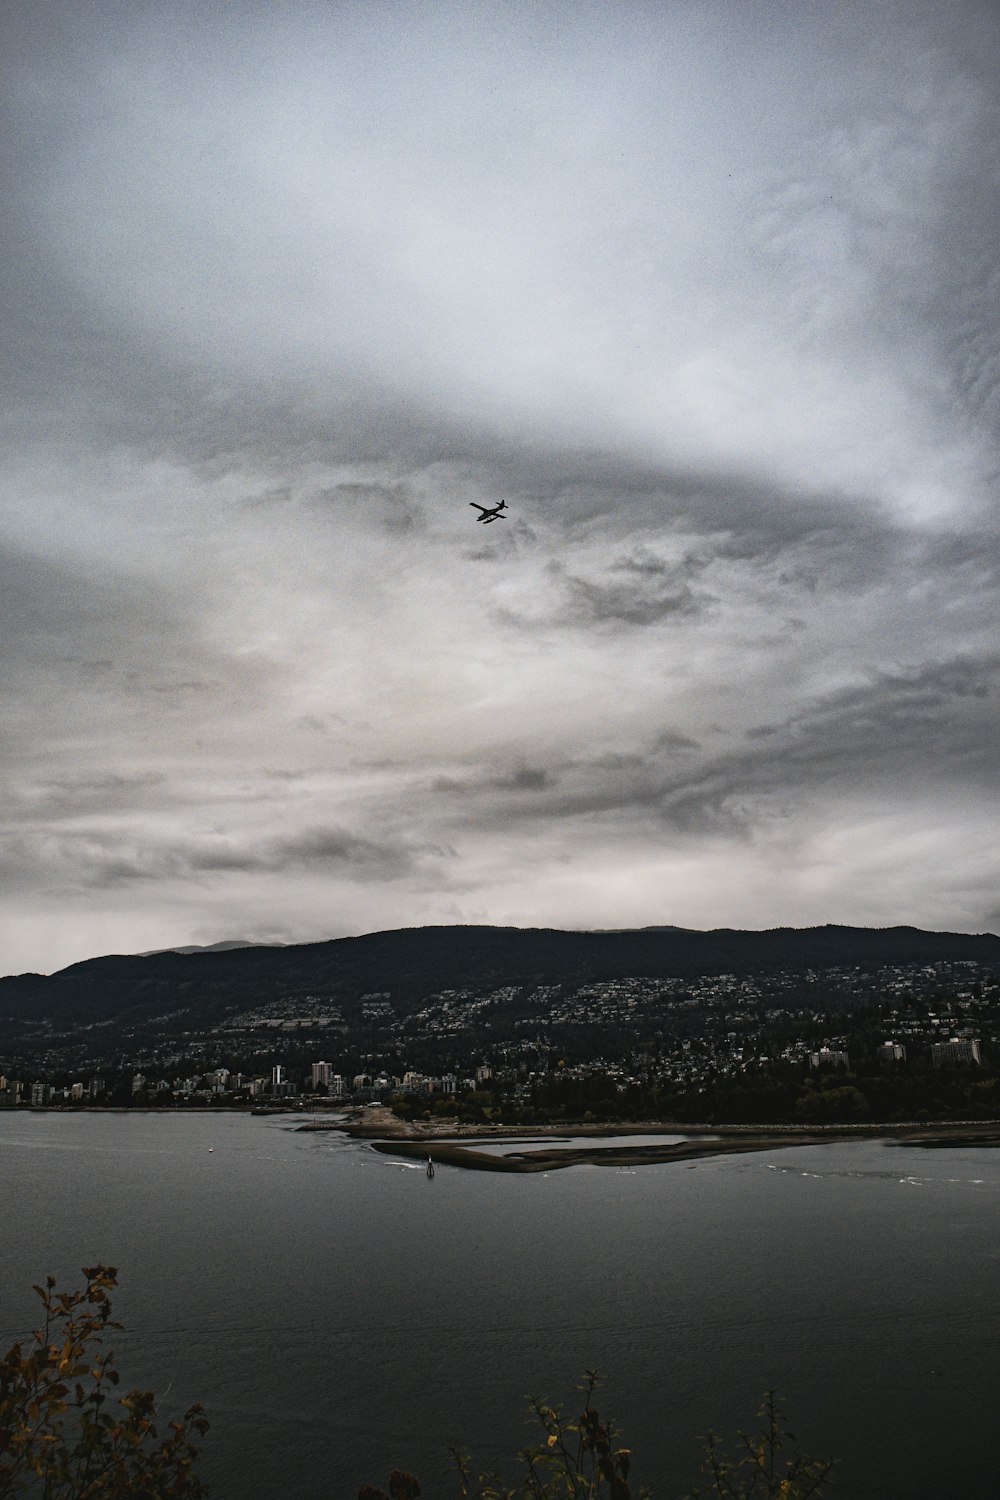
(486, 515)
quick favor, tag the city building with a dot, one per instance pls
(828, 1057)
(957, 1049)
(321, 1073)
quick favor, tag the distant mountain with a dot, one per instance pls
(226, 946)
(179, 990)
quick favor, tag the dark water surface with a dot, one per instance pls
(339, 1313)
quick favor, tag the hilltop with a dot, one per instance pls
(636, 1021)
(174, 991)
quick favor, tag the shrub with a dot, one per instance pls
(64, 1435)
(584, 1460)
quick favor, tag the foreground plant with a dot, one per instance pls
(582, 1460)
(760, 1468)
(64, 1435)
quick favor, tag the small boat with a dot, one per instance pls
(430, 1167)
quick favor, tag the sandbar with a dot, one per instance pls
(456, 1146)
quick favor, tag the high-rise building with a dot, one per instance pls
(828, 1057)
(321, 1073)
(957, 1049)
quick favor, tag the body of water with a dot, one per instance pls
(339, 1313)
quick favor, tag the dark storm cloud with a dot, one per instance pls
(670, 740)
(932, 725)
(318, 848)
(391, 505)
(522, 779)
(931, 728)
(62, 863)
(103, 860)
(935, 725)
(938, 720)
(641, 589)
(85, 796)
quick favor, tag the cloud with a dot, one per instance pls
(109, 858)
(319, 848)
(710, 307)
(925, 729)
(641, 589)
(392, 504)
(896, 734)
(524, 779)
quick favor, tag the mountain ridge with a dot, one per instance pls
(752, 948)
(100, 1003)
(231, 946)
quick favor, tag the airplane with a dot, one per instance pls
(489, 515)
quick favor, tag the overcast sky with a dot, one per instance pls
(707, 291)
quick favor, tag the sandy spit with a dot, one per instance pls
(455, 1145)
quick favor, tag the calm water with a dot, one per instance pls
(338, 1313)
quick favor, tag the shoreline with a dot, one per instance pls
(455, 1146)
